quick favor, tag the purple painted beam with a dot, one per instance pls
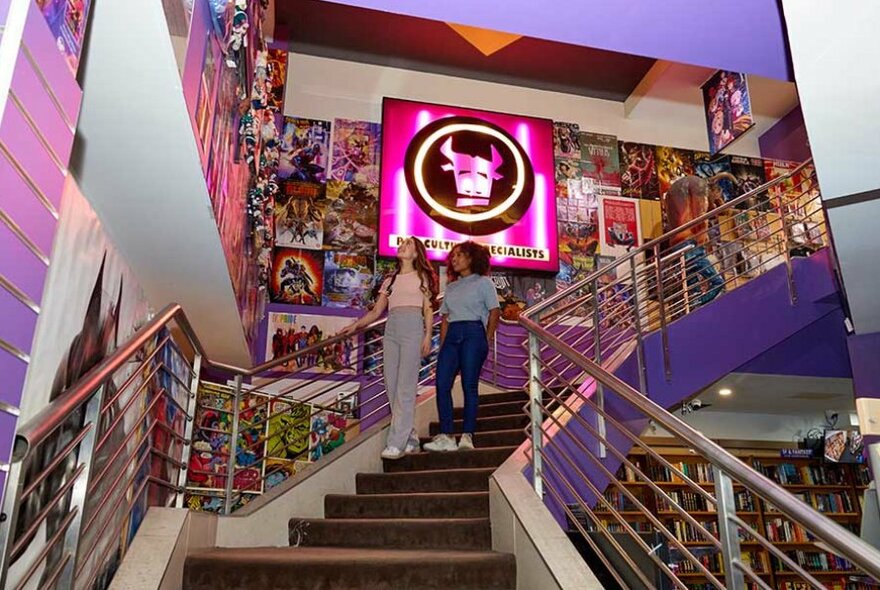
(787, 139)
(864, 353)
(745, 37)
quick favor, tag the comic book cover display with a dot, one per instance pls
(67, 21)
(510, 305)
(672, 164)
(638, 171)
(728, 108)
(566, 143)
(579, 242)
(348, 279)
(299, 215)
(568, 174)
(305, 149)
(297, 276)
(600, 163)
(533, 290)
(327, 433)
(619, 225)
(287, 333)
(356, 149)
(277, 73)
(749, 174)
(351, 217)
(706, 166)
(287, 442)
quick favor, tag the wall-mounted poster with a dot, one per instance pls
(578, 243)
(728, 108)
(638, 171)
(568, 174)
(297, 276)
(566, 142)
(672, 164)
(67, 21)
(205, 103)
(350, 217)
(348, 279)
(619, 225)
(707, 166)
(305, 149)
(299, 215)
(749, 174)
(276, 70)
(356, 147)
(600, 163)
(451, 174)
(287, 333)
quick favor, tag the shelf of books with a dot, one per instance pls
(835, 490)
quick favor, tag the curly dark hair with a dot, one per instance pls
(478, 254)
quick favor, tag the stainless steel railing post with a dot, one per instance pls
(637, 325)
(789, 273)
(233, 445)
(661, 303)
(597, 353)
(495, 360)
(188, 430)
(535, 397)
(727, 530)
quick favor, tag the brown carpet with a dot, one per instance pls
(423, 524)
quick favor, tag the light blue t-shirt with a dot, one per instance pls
(469, 298)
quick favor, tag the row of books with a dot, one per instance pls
(711, 561)
(781, 530)
(816, 561)
(836, 584)
(619, 501)
(695, 471)
(826, 502)
(690, 501)
(791, 474)
(686, 533)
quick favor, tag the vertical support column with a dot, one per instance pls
(727, 530)
(537, 415)
(661, 303)
(233, 445)
(495, 360)
(789, 273)
(597, 354)
(637, 324)
(188, 430)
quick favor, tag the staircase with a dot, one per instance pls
(421, 524)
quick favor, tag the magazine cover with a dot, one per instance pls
(728, 108)
(356, 149)
(289, 332)
(672, 164)
(351, 217)
(348, 279)
(600, 163)
(707, 166)
(749, 173)
(578, 243)
(619, 225)
(568, 173)
(566, 143)
(299, 215)
(638, 171)
(305, 149)
(297, 276)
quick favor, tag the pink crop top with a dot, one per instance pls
(406, 291)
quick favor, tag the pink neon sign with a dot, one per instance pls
(451, 174)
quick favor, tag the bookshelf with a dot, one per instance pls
(834, 490)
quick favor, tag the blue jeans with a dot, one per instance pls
(698, 270)
(464, 349)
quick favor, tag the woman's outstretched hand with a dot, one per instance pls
(426, 346)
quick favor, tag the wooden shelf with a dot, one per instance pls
(840, 573)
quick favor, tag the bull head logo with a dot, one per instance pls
(473, 174)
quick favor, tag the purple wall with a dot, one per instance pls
(746, 36)
(864, 353)
(787, 139)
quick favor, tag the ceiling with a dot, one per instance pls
(776, 394)
(326, 29)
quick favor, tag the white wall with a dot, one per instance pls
(749, 426)
(670, 112)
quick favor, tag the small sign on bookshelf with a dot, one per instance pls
(796, 453)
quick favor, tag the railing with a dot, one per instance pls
(582, 415)
(85, 469)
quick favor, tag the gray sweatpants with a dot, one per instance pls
(402, 343)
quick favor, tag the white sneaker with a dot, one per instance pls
(391, 453)
(412, 447)
(466, 442)
(441, 443)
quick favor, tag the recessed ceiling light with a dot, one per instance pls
(725, 391)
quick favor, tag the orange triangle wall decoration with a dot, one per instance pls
(485, 40)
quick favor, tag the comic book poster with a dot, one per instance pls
(707, 166)
(299, 215)
(508, 302)
(287, 333)
(578, 243)
(205, 103)
(672, 164)
(327, 433)
(728, 108)
(749, 174)
(568, 173)
(297, 276)
(774, 169)
(638, 171)
(276, 69)
(67, 20)
(600, 163)
(533, 290)
(305, 149)
(356, 149)
(619, 225)
(566, 143)
(347, 279)
(287, 440)
(581, 208)
(351, 217)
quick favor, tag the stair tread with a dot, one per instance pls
(444, 472)
(403, 521)
(415, 495)
(342, 555)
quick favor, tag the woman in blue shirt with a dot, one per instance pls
(470, 315)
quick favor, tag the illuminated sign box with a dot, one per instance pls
(451, 174)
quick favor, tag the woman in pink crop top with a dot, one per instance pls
(410, 295)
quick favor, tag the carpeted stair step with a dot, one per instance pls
(479, 457)
(484, 424)
(495, 409)
(326, 568)
(494, 438)
(425, 505)
(395, 533)
(441, 480)
(504, 396)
